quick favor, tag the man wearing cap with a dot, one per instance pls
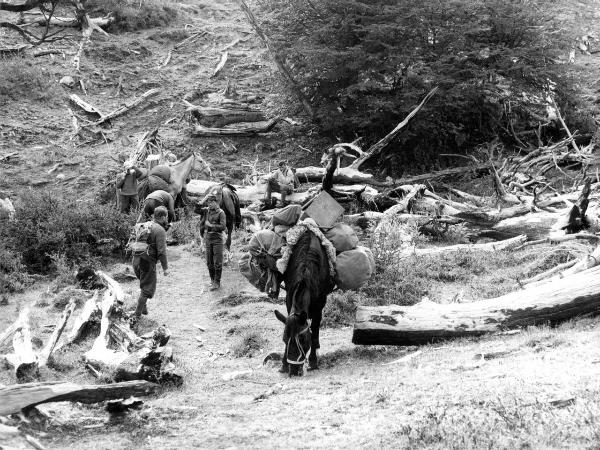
(282, 180)
(144, 265)
(127, 188)
(211, 230)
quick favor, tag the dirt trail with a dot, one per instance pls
(353, 401)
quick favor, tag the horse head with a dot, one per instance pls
(201, 166)
(298, 340)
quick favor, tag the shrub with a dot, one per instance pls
(131, 15)
(23, 79)
(13, 277)
(45, 225)
(340, 308)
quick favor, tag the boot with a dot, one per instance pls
(141, 306)
(217, 282)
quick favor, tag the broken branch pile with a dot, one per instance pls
(117, 353)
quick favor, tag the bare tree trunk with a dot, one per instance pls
(278, 60)
(426, 321)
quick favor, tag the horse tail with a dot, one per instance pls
(238, 211)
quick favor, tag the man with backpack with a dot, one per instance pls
(212, 229)
(149, 246)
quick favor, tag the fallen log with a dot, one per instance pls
(426, 322)
(487, 247)
(219, 117)
(15, 398)
(249, 130)
(343, 175)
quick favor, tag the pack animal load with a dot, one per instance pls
(269, 250)
(258, 264)
(138, 241)
(161, 171)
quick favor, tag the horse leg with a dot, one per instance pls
(229, 232)
(313, 361)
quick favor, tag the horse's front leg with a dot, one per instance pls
(313, 361)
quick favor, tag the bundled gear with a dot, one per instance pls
(342, 236)
(138, 241)
(258, 264)
(354, 268)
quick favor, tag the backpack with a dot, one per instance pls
(138, 242)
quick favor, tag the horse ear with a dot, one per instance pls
(280, 316)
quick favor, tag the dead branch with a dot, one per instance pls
(378, 147)
(221, 64)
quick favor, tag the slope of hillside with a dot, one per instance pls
(116, 69)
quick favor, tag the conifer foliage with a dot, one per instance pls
(366, 63)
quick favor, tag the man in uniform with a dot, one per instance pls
(212, 230)
(282, 180)
(144, 265)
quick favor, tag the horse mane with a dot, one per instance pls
(306, 265)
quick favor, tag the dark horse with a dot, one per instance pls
(229, 202)
(307, 283)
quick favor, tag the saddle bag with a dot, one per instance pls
(354, 268)
(342, 236)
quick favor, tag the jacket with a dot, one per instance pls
(127, 181)
(285, 179)
(165, 200)
(157, 246)
(213, 225)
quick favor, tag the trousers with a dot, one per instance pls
(214, 257)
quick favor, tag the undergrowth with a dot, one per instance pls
(73, 232)
(23, 79)
(132, 15)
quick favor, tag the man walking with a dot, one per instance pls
(212, 230)
(127, 189)
(144, 265)
(283, 180)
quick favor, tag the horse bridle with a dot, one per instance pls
(302, 357)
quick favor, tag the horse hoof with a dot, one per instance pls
(283, 369)
(312, 367)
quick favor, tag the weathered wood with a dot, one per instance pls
(100, 355)
(89, 307)
(426, 322)
(250, 130)
(8, 333)
(222, 61)
(15, 398)
(402, 206)
(343, 175)
(379, 146)
(127, 107)
(23, 359)
(487, 247)
(90, 109)
(60, 326)
(219, 117)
